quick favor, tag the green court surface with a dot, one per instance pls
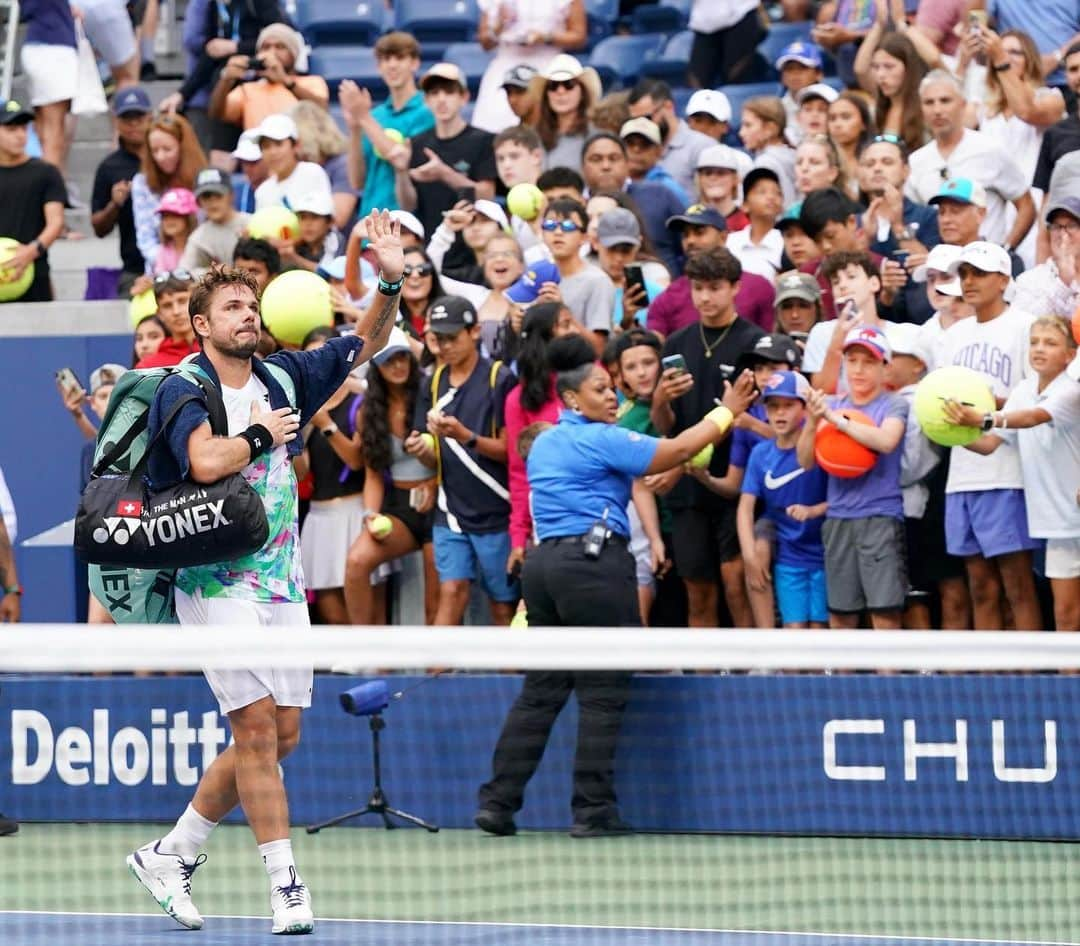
(1017, 891)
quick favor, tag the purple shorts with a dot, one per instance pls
(989, 523)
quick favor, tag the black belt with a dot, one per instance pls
(579, 539)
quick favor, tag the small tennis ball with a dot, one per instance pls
(520, 619)
(294, 303)
(142, 306)
(702, 458)
(10, 287)
(394, 135)
(381, 526)
(962, 384)
(525, 201)
(428, 440)
(274, 223)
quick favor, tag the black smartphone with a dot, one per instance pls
(467, 194)
(635, 276)
(255, 63)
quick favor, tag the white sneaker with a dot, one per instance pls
(292, 906)
(168, 878)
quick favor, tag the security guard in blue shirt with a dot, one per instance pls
(582, 575)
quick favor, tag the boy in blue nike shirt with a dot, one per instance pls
(794, 500)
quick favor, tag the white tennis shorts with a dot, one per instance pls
(236, 689)
(53, 72)
(1063, 558)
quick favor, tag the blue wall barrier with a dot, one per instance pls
(40, 458)
(964, 756)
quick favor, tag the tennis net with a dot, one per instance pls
(780, 785)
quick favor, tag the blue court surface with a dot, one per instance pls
(50, 929)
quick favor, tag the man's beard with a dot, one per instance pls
(242, 351)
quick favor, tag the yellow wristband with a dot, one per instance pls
(722, 417)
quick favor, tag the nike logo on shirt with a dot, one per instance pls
(772, 482)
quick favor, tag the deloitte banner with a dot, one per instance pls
(964, 756)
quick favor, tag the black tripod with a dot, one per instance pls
(377, 804)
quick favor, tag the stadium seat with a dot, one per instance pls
(619, 59)
(340, 22)
(670, 63)
(657, 18)
(602, 15)
(437, 23)
(779, 36)
(472, 59)
(738, 94)
(335, 63)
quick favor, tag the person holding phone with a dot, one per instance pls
(618, 243)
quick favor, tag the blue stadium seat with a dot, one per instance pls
(619, 59)
(670, 63)
(779, 36)
(437, 23)
(472, 59)
(657, 18)
(738, 94)
(335, 63)
(602, 15)
(340, 22)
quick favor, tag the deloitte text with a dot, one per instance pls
(164, 753)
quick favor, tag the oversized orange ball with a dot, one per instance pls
(838, 454)
(1076, 325)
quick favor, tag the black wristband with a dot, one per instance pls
(258, 438)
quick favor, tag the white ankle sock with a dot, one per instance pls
(278, 858)
(189, 834)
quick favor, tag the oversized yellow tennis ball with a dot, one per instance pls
(142, 306)
(428, 440)
(274, 223)
(961, 384)
(10, 287)
(702, 459)
(394, 135)
(381, 526)
(525, 201)
(294, 303)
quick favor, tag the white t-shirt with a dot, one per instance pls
(7, 510)
(978, 158)
(998, 350)
(762, 258)
(817, 347)
(306, 178)
(1049, 456)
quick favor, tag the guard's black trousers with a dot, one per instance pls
(564, 588)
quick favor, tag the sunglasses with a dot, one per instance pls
(567, 226)
(421, 269)
(180, 275)
(564, 85)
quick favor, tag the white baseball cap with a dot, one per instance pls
(985, 256)
(316, 202)
(908, 339)
(939, 259)
(491, 210)
(277, 128)
(247, 147)
(711, 102)
(409, 222)
(819, 90)
(724, 156)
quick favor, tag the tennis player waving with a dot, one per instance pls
(265, 588)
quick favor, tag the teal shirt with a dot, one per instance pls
(413, 119)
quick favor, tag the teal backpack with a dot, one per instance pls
(136, 595)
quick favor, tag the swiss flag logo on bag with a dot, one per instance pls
(129, 508)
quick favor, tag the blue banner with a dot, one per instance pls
(951, 756)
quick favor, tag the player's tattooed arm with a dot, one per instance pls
(384, 236)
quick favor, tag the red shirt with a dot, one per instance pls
(169, 353)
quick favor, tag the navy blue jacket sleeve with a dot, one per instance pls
(169, 462)
(318, 374)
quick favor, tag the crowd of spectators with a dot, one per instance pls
(839, 244)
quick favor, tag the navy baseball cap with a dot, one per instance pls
(527, 288)
(12, 113)
(801, 51)
(698, 215)
(777, 347)
(787, 384)
(131, 100)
